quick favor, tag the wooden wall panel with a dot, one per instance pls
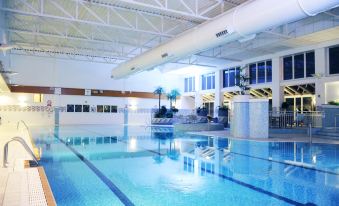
(75, 91)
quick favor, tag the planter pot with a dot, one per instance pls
(222, 112)
(162, 121)
(202, 113)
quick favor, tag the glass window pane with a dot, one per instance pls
(261, 72)
(269, 71)
(186, 84)
(213, 82)
(237, 75)
(193, 84)
(225, 78)
(232, 77)
(253, 73)
(310, 64)
(203, 81)
(307, 104)
(290, 102)
(334, 60)
(209, 82)
(287, 64)
(190, 84)
(298, 104)
(299, 66)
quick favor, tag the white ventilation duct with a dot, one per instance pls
(239, 23)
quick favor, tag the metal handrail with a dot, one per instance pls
(24, 144)
(23, 122)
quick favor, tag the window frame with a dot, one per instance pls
(304, 53)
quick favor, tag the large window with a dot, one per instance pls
(189, 84)
(310, 64)
(334, 60)
(231, 77)
(299, 65)
(260, 72)
(208, 81)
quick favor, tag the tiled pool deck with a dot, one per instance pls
(19, 184)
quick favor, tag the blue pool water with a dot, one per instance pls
(117, 165)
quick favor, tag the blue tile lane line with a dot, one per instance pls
(122, 196)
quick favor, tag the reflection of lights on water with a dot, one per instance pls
(196, 167)
(177, 144)
(132, 144)
(314, 159)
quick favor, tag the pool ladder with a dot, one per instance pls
(24, 144)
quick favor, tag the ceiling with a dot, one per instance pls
(114, 31)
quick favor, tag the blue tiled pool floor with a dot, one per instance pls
(111, 165)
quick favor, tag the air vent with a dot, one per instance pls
(164, 55)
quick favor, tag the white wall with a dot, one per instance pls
(12, 109)
(332, 91)
(52, 72)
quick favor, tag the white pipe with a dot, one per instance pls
(241, 22)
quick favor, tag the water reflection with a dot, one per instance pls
(298, 171)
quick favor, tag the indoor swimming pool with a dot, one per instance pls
(120, 165)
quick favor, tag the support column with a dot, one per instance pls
(218, 96)
(320, 70)
(277, 90)
(198, 98)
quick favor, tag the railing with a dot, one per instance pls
(36, 150)
(24, 144)
(295, 119)
(23, 122)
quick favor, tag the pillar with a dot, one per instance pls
(320, 70)
(277, 90)
(198, 98)
(218, 95)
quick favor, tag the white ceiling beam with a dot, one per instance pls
(166, 9)
(71, 50)
(210, 8)
(148, 12)
(62, 36)
(187, 7)
(93, 13)
(41, 14)
(60, 8)
(77, 57)
(149, 22)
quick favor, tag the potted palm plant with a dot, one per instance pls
(172, 96)
(243, 80)
(202, 111)
(159, 91)
(223, 111)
